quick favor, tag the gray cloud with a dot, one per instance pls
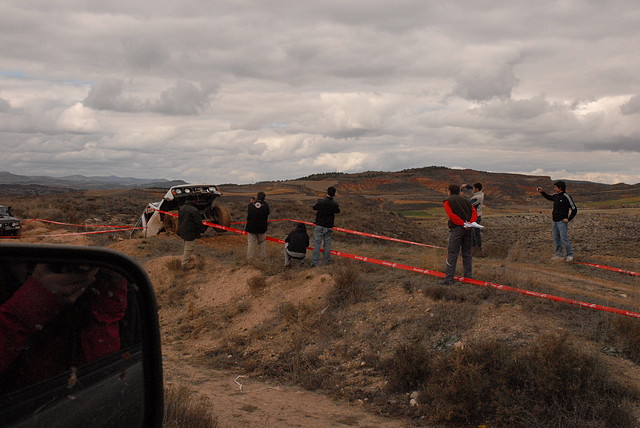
(629, 144)
(5, 106)
(185, 98)
(485, 83)
(108, 96)
(632, 106)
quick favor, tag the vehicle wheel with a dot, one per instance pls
(170, 223)
(220, 215)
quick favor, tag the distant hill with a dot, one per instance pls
(406, 190)
(13, 184)
(422, 188)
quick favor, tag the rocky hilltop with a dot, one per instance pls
(423, 188)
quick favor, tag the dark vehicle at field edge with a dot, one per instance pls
(9, 225)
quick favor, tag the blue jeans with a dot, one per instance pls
(321, 234)
(561, 237)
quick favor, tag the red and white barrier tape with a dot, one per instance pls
(113, 229)
(370, 235)
(339, 229)
(95, 232)
(600, 266)
(457, 278)
(397, 265)
(77, 225)
(614, 269)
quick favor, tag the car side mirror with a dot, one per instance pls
(79, 339)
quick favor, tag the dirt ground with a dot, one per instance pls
(220, 286)
(211, 314)
(243, 400)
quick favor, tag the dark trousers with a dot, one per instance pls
(460, 239)
(477, 239)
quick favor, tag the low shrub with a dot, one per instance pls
(628, 331)
(183, 409)
(348, 287)
(257, 284)
(288, 312)
(408, 368)
(548, 383)
(174, 265)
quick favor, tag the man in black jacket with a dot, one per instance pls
(256, 227)
(190, 228)
(564, 210)
(326, 209)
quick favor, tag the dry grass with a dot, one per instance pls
(182, 408)
(548, 383)
(349, 288)
(628, 333)
(288, 312)
(174, 265)
(257, 284)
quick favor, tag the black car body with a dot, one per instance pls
(9, 225)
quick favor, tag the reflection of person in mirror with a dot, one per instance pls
(53, 317)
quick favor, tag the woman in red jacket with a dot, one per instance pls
(55, 317)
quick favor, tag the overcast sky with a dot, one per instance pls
(239, 91)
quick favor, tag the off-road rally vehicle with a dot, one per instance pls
(9, 225)
(154, 220)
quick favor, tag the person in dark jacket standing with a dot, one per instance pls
(190, 228)
(564, 210)
(256, 227)
(326, 209)
(295, 245)
(460, 213)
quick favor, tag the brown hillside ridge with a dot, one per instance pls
(361, 345)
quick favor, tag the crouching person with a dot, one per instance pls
(296, 244)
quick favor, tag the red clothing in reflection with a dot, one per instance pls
(40, 336)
